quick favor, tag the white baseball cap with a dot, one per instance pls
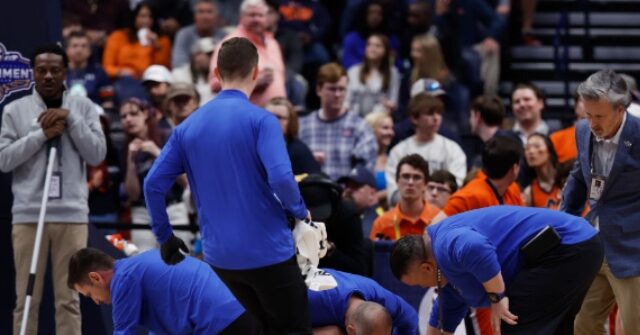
(157, 73)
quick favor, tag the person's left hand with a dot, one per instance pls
(49, 117)
(500, 312)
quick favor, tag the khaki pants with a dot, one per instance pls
(63, 239)
(605, 290)
(489, 69)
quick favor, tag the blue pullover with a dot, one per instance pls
(328, 308)
(472, 247)
(187, 298)
(236, 160)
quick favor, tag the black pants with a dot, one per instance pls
(276, 295)
(547, 295)
(244, 324)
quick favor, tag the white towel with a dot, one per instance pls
(311, 245)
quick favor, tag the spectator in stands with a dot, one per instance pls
(564, 141)
(374, 83)
(429, 65)
(545, 189)
(359, 305)
(442, 184)
(441, 153)
(49, 116)
(196, 71)
(302, 160)
(405, 128)
(527, 103)
(292, 51)
(360, 189)
(205, 25)
(129, 51)
(98, 18)
(419, 16)
(382, 125)
(104, 183)
(271, 76)
(486, 117)
(338, 138)
(157, 80)
(143, 141)
(373, 19)
(187, 298)
(476, 260)
(182, 100)
(479, 28)
(85, 76)
(311, 21)
(495, 185)
(607, 173)
(412, 213)
(172, 15)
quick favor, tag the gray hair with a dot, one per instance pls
(248, 3)
(606, 84)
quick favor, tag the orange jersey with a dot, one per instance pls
(543, 199)
(564, 142)
(394, 224)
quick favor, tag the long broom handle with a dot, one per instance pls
(36, 246)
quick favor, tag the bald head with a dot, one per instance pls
(368, 318)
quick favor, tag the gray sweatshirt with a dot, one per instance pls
(23, 150)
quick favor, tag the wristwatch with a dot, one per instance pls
(495, 297)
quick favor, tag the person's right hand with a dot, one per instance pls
(55, 130)
(170, 250)
(500, 312)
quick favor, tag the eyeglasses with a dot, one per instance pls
(407, 177)
(439, 189)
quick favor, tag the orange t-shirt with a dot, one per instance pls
(119, 53)
(543, 199)
(564, 142)
(478, 194)
(385, 225)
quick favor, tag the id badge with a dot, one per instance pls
(55, 186)
(597, 186)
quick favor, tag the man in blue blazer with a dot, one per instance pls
(607, 173)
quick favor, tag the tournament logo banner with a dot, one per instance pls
(15, 73)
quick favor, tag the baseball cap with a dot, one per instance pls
(205, 44)
(359, 175)
(428, 85)
(157, 73)
(179, 89)
(320, 194)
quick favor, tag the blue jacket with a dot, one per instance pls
(618, 210)
(472, 247)
(328, 308)
(236, 160)
(186, 298)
